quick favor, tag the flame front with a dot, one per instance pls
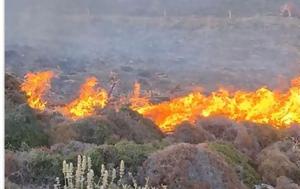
(88, 101)
(34, 86)
(263, 106)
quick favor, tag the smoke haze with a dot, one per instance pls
(191, 43)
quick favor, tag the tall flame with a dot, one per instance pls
(34, 86)
(88, 101)
(263, 106)
(136, 99)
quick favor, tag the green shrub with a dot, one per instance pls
(133, 154)
(43, 167)
(22, 126)
(116, 126)
(94, 131)
(83, 176)
(239, 161)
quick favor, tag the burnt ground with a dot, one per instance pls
(166, 45)
(167, 54)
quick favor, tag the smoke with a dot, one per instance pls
(192, 42)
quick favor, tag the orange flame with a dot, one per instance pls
(137, 100)
(262, 106)
(88, 101)
(34, 86)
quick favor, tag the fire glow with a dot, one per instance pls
(88, 101)
(136, 99)
(263, 106)
(34, 86)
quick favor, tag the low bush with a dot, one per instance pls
(116, 126)
(279, 159)
(35, 167)
(133, 154)
(96, 131)
(189, 166)
(40, 165)
(83, 176)
(22, 127)
(239, 161)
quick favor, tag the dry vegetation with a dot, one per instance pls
(83, 176)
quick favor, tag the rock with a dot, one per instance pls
(189, 166)
(263, 186)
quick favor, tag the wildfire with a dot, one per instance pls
(263, 106)
(34, 86)
(88, 101)
(279, 109)
(136, 99)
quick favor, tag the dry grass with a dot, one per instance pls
(83, 177)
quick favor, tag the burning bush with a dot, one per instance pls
(22, 126)
(263, 106)
(34, 86)
(90, 98)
